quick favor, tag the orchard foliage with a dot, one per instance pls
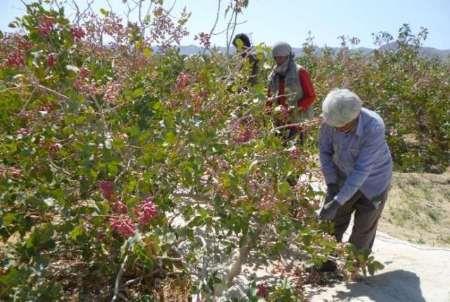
(127, 173)
(124, 170)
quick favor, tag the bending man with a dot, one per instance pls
(357, 166)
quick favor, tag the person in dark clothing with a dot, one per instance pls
(244, 48)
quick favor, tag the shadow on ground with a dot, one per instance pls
(399, 285)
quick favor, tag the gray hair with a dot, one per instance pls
(281, 49)
(340, 107)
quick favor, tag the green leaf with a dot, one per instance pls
(104, 12)
(113, 168)
(9, 218)
(138, 92)
(12, 278)
(40, 237)
(171, 138)
(132, 185)
(76, 232)
(284, 188)
(147, 52)
(374, 266)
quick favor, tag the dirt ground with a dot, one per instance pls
(412, 243)
(409, 275)
(418, 208)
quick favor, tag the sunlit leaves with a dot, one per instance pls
(179, 129)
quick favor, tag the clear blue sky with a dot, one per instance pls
(270, 21)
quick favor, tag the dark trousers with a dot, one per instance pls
(367, 213)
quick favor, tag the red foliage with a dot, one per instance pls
(123, 225)
(146, 210)
(12, 172)
(15, 59)
(51, 60)
(243, 130)
(55, 147)
(23, 132)
(46, 25)
(183, 80)
(107, 189)
(204, 39)
(78, 33)
(112, 91)
(119, 207)
(262, 290)
(294, 152)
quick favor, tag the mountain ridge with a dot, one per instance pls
(430, 52)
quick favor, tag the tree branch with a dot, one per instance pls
(118, 277)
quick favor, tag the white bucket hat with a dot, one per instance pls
(340, 107)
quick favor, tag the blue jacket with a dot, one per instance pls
(359, 160)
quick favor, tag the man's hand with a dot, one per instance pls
(332, 190)
(329, 210)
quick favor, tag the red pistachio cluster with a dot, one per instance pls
(146, 211)
(14, 47)
(51, 60)
(10, 172)
(107, 189)
(243, 130)
(112, 91)
(183, 80)
(120, 220)
(15, 59)
(204, 39)
(22, 132)
(46, 25)
(84, 84)
(262, 290)
(164, 30)
(198, 99)
(78, 33)
(96, 28)
(123, 225)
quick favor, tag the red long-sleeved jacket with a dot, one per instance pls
(309, 94)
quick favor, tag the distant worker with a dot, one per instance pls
(244, 48)
(290, 92)
(357, 167)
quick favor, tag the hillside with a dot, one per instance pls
(429, 52)
(419, 208)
